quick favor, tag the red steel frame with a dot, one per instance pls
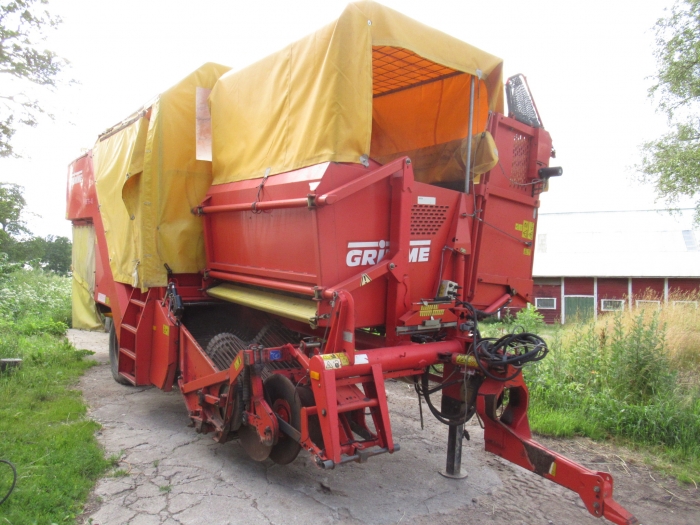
(156, 348)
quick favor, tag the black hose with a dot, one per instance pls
(14, 480)
(423, 389)
(512, 349)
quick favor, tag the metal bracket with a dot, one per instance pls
(288, 429)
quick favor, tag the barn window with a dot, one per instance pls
(545, 303)
(612, 305)
(686, 303)
(648, 304)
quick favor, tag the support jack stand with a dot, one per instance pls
(453, 468)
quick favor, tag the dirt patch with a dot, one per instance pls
(176, 476)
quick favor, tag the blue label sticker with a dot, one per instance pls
(275, 355)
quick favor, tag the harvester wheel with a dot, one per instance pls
(114, 357)
(284, 401)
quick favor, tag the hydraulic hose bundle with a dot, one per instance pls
(515, 350)
(493, 355)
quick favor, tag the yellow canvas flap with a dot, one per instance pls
(84, 312)
(111, 160)
(148, 180)
(315, 100)
(173, 182)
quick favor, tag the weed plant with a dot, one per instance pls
(43, 428)
(630, 375)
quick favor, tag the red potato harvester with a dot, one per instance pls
(279, 241)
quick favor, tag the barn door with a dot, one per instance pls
(579, 308)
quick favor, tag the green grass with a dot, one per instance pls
(620, 378)
(43, 428)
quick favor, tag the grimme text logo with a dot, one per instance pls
(370, 253)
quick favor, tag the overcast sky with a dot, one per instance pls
(587, 63)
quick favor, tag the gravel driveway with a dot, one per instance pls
(171, 475)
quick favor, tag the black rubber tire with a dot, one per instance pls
(307, 400)
(278, 387)
(114, 358)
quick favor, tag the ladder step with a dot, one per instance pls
(130, 354)
(129, 377)
(129, 328)
(137, 302)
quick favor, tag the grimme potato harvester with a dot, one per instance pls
(278, 242)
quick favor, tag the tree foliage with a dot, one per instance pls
(11, 205)
(23, 26)
(672, 162)
(18, 246)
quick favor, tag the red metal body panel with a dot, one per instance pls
(507, 197)
(326, 244)
(81, 198)
(164, 349)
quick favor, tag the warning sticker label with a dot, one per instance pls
(527, 229)
(335, 361)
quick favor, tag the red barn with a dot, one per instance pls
(587, 263)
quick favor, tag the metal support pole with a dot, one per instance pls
(469, 135)
(453, 408)
(453, 468)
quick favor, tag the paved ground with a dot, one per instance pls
(176, 476)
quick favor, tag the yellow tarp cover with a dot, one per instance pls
(374, 83)
(84, 312)
(148, 180)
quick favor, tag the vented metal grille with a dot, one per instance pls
(521, 159)
(427, 219)
(521, 107)
(396, 68)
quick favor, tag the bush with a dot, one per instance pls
(35, 296)
(529, 320)
(617, 377)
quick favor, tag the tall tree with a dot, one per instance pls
(672, 162)
(23, 26)
(12, 204)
